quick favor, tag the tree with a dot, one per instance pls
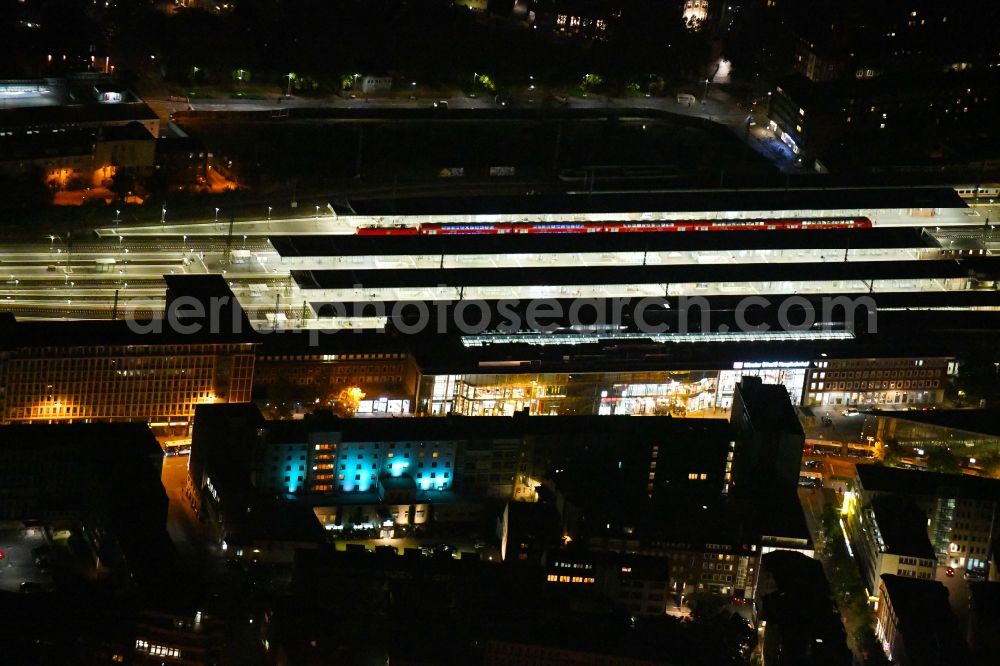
(122, 183)
(347, 401)
(943, 460)
(991, 465)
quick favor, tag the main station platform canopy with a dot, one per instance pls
(674, 205)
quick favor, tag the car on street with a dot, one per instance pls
(949, 572)
(850, 411)
(972, 575)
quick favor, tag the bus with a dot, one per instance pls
(810, 478)
(177, 447)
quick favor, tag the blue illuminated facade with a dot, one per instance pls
(323, 463)
(286, 466)
(429, 464)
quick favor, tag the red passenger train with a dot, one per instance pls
(493, 229)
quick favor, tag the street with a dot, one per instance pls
(18, 565)
(192, 538)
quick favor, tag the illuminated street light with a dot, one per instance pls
(216, 214)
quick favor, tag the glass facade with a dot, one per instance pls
(659, 392)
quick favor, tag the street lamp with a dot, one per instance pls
(288, 90)
(163, 213)
(705, 94)
(117, 219)
(317, 212)
(216, 214)
(269, 214)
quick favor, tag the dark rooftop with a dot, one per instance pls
(927, 624)
(766, 272)
(879, 478)
(680, 201)
(978, 421)
(133, 131)
(809, 627)
(280, 521)
(492, 427)
(769, 406)
(77, 114)
(903, 526)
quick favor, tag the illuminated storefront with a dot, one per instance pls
(660, 392)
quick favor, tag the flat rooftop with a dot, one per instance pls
(679, 201)
(493, 427)
(354, 245)
(878, 478)
(623, 275)
(977, 421)
(768, 406)
(903, 527)
(67, 101)
(927, 624)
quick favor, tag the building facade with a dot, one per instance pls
(158, 383)
(916, 624)
(878, 381)
(889, 536)
(386, 378)
(961, 510)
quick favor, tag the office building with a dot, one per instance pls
(410, 471)
(889, 536)
(878, 381)
(797, 618)
(916, 624)
(960, 510)
(639, 584)
(110, 370)
(769, 438)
